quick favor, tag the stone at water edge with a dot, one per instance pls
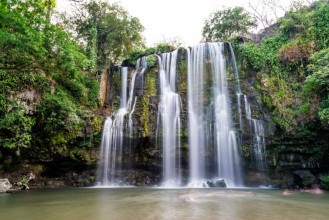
(304, 178)
(4, 185)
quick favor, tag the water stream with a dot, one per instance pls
(254, 125)
(210, 109)
(112, 138)
(169, 115)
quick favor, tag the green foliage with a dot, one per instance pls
(151, 60)
(92, 86)
(40, 56)
(253, 57)
(292, 67)
(304, 108)
(295, 22)
(133, 56)
(318, 82)
(24, 180)
(150, 51)
(225, 24)
(110, 32)
(3, 105)
(320, 24)
(97, 124)
(21, 35)
(325, 182)
(57, 113)
(150, 83)
(324, 112)
(246, 151)
(144, 117)
(16, 128)
(164, 48)
(161, 48)
(299, 50)
(319, 79)
(84, 181)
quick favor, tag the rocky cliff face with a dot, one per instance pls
(286, 152)
(280, 153)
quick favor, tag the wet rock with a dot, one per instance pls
(25, 186)
(154, 153)
(304, 178)
(216, 183)
(30, 176)
(5, 185)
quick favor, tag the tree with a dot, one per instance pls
(268, 12)
(176, 42)
(227, 23)
(34, 54)
(109, 31)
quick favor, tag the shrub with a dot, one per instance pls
(297, 51)
(325, 182)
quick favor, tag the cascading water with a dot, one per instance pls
(227, 148)
(224, 143)
(259, 144)
(238, 90)
(256, 126)
(196, 127)
(212, 143)
(112, 138)
(113, 132)
(169, 118)
(141, 63)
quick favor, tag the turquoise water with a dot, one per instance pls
(152, 203)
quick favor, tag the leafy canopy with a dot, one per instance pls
(109, 31)
(40, 56)
(225, 24)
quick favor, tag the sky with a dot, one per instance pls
(183, 19)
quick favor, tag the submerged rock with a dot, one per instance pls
(5, 185)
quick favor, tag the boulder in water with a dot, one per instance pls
(216, 183)
(304, 178)
(5, 185)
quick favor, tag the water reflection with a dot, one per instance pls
(141, 203)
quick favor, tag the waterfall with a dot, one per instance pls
(141, 63)
(227, 149)
(256, 126)
(113, 132)
(238, 90)
(203, 118)
(212, 150)
(196, 127)
(259, 144)
(169, 118)
(112, 138)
